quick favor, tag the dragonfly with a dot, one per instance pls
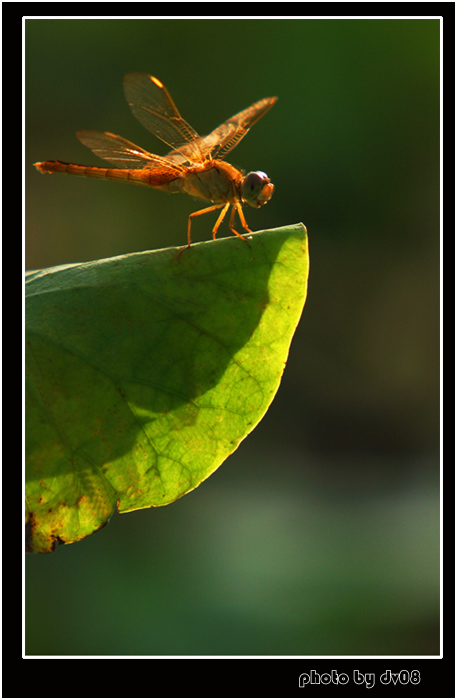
(195, 163)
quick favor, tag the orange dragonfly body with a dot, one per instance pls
(194, 165)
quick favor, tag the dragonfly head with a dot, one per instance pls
(256, 189)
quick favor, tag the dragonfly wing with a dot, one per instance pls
(120, 152)
(223, 139)
(152, 105)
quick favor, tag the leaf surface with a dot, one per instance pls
(145, 371)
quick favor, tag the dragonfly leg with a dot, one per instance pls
(237, 207)
(207, 211)
(220, 218)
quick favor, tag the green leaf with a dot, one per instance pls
(145, 371)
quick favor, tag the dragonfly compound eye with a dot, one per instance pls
(257, 189)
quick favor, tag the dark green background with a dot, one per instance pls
(320, 535)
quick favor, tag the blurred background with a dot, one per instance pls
(320, 535)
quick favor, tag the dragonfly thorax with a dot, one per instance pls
(215, 181)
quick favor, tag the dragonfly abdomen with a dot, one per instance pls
(140, 176)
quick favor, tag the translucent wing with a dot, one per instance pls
(152, 105)
(223, 139)
(120, 152)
